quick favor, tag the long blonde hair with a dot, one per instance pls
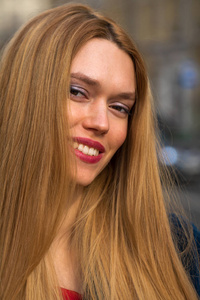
(122, 233)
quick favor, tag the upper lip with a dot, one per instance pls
(90, 143)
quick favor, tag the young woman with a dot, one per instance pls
(82, 209)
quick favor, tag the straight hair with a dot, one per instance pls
(122, 233)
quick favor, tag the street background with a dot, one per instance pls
(167, 33)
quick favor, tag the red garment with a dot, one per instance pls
(70, 295)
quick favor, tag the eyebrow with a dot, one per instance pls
(125, 96)
(93, 82)
(85, 79)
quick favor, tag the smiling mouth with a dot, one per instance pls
(88, 150)
(85, 149)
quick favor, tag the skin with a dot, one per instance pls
(102, 95)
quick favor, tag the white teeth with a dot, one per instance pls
(85, 149)
(91, 151)
(80, 147)
(96, 152)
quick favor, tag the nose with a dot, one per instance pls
(96, 118)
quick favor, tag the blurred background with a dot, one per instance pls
(167, 32)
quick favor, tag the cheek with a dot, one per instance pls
(119, 136)
(73, 114)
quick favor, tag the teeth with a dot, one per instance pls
(91, 151)
(85, 149)
(80, 147)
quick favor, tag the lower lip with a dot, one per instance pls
(87, 158)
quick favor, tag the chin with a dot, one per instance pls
(83, 182)
(84, 179)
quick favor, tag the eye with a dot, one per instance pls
(121, 109)
(76, 92)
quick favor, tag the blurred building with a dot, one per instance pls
(13, 13)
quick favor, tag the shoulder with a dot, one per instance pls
(187, 239)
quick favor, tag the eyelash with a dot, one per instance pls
(77, 91)
(119, 108)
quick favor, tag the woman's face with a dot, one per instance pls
(102, 93)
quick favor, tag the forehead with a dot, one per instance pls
(103, 61)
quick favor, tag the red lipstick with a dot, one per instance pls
(91, 144)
